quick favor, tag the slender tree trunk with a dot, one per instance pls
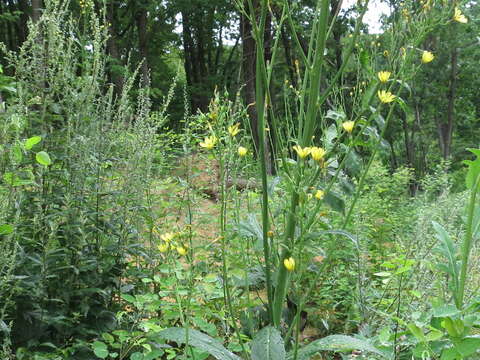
(112, 48)
(249, 74)
(36, 10)
(445, 129)
(22, 23)
(141, 20)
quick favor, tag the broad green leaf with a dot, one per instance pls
(43, 158)
(416, 331)
(100, 349)
(198, 340)
(268, 345)
(108, 338)
(354, 162)
(136, 356)
(451, 354)
(468, 346)
(250, 227)
(330, 134)
(338, 116)
(6, 229)
(445, 310)
(338, 343)
(473, 169)
(434, 334)
(335, 201)
(31, 142)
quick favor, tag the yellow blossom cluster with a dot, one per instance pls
(168, 244)
(209, 142)
(317, 153)
(459, 17)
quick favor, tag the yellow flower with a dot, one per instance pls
(181, 250)
(302, 152)
(383, 76)
(319, 194)
(385, 53)
(270, 234)
(459, 17)
(209, 142)
(317, 153)
(163, 247)
(167, 237)
(427, 56)
(242, 151)
(348, 126)
(289, 263)
(385, 96)
(234, 129)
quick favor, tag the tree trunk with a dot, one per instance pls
(141, 20)
(445, 129)
(36, 10)
(22, 24)
(112, 48)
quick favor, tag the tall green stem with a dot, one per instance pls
(312, 110)
(467, 243)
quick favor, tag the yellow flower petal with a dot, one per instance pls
(234, 129)
(383, 76)
(459, 17)
(209, 142)
(319, 194)
(289, 263)
(242, 151)
(385, 96)
(163, 247)
(181, 250)
(427, 57)
(302, 152)
(348, 126)
(167, 237)
(317, 153)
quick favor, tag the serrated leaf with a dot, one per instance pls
(268, 345)
(338, 343)
(43, 158)
(336, 115)
(199, 340)
(250, 227)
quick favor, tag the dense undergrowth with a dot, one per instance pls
(122, 240)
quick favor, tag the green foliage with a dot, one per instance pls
(110, 251)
